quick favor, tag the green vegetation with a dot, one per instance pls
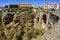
(1, 29)
(32, 33)
(19, 37)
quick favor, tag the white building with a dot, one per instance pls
(58, 7)
(51, 6)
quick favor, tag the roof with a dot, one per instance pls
(26, 3)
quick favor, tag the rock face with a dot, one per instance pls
(30, 24)
(54, 32)
(16, 22)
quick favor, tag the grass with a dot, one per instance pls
(32, 33)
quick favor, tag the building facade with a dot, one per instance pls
(51, 6)
(25, 6)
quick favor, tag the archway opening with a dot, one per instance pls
(44, 18)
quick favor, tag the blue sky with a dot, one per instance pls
(33, 2)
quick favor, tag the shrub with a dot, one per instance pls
(19, 37)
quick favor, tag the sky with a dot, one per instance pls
(33, 2)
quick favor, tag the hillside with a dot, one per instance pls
(27, 22)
